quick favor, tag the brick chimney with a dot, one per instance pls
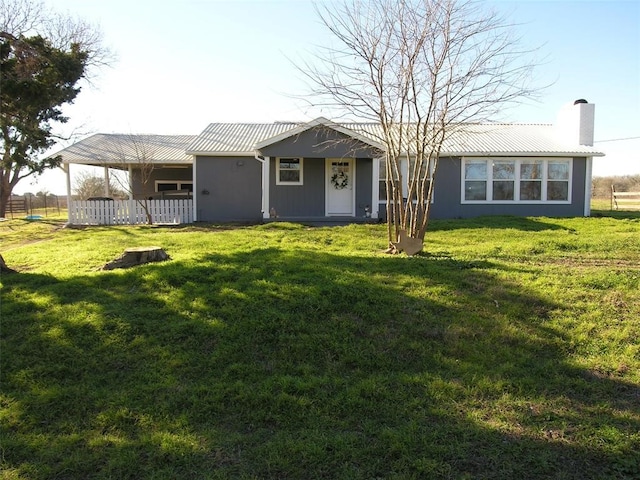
(575, 122)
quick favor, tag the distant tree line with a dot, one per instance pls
(623, 183)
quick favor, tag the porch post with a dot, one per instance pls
(194, 196)
(106, 181)
(131, 202)
(588, 185)
(130, 182)
(67, 171)
(375, 187)
(266, 165)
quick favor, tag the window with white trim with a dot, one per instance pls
(171, 185)
(507, 180)
(531, 180)
(289, 171)
(382, 180)
(558, 180)
(404, 170)
(475, 180)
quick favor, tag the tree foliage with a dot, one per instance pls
(43, 58)
(420, 69)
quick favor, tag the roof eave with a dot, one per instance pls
(522, 154)
(104, 163)
(204, 153)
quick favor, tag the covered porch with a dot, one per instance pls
(153, 171)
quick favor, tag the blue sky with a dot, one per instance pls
(184, 64)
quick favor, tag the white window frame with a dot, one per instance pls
(404, 170)
(516, 194)
(178, 183)
(284, 159)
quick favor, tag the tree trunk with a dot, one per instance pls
(4, 268)
(408, 244)
(144, 203)
(5, 194)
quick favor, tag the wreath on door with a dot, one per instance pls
(340, 180)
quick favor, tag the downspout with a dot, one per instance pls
(265, 183)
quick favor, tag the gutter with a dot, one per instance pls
(219, 154)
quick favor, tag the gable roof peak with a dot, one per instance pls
(317, 122)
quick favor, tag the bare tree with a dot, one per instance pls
(22, 18)
(88, 185)
(136, 152)
(421, 70)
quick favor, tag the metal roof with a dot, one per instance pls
(466, 140)
(235, 139)
(512, 139)
(122, 149)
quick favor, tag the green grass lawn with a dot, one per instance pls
(509, 349)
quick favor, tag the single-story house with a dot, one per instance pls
(323, 170)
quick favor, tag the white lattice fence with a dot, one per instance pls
(130, 212)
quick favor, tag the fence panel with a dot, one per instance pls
(127, 212)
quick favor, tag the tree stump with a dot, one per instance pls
(137, 256)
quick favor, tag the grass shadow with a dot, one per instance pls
(617, 214)
(524, 224)
(301, 364)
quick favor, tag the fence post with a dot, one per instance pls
(613, 197)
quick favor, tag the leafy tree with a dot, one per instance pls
(43, 58)
(36, 80)
(421, 69)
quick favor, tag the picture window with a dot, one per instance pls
(516, 180)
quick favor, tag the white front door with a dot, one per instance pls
(340, 181)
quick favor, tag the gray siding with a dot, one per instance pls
(307, 200)
(447, 197)
(364, 173)
(229, 189)
(319, 142)
(164, 173)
